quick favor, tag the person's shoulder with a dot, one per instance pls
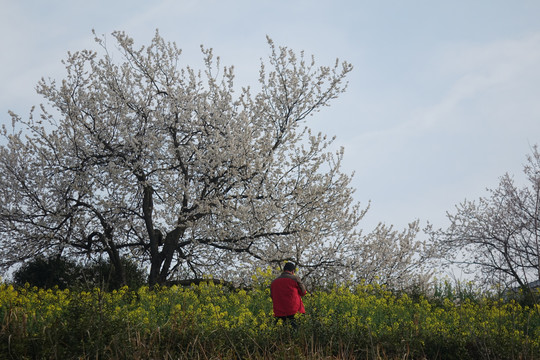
(289, 276)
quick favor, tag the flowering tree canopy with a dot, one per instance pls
(499, 234)
(170, 166)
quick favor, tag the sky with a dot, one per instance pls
(443, 99)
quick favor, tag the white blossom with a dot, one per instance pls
(170, 165)
(498, 236)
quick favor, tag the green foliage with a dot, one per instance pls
(58, 271)
(103, 274)
(525, 296)
(213, 321)
(48, 272)
(457, 292)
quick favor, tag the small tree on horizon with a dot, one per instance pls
(498, 236)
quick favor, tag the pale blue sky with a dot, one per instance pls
(442, 101)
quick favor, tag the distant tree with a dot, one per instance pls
(396, 258)
(49, 272)
(66, 273)
(499, 234)
(102, 273)
(180, 169)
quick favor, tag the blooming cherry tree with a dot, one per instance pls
(498, 236)
(177, 168)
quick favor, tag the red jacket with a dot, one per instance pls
(286, 292)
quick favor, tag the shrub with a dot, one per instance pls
(47, 273)
(58, 271)
(103, 274)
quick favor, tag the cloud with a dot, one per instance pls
(485, 76)
(477, 122)
(486, 85)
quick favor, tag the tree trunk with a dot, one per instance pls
(169, 247)
(160, 264)
(116, 262)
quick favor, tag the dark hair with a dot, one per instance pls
(289, 267)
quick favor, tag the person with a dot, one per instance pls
(286, 292)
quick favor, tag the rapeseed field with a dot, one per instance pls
(212, 321)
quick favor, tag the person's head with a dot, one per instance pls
(289, 267)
